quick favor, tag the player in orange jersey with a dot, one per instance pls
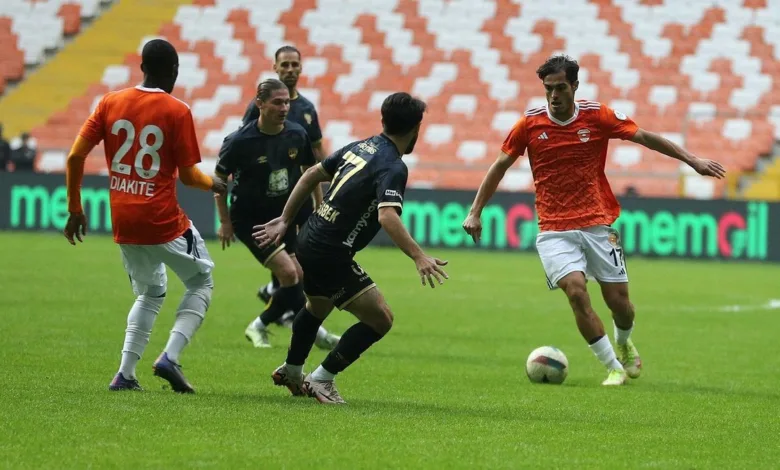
(149, 136)
(567, 146)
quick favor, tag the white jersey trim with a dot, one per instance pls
(158, 90)
(568, 121)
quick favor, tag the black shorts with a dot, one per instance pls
(243, 231)
(340, 279)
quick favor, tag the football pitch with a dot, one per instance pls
(445, 389)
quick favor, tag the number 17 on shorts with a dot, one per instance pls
(595, 251)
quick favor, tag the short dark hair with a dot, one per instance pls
(559, 63)
(286, 49)
(267, 87)
(401, 112)
(159, 58)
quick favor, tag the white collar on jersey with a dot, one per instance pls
(150, 90)
(568, 121)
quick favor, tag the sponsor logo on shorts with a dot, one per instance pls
(584, 134)
(620, 115)
(338, 295)
(614, 239)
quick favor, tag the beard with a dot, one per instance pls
(410, 147)
(291, 82)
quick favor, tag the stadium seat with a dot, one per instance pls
(702, 71)
(29, 29)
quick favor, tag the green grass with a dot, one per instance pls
(446, 388)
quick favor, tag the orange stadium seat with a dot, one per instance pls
(702, 75)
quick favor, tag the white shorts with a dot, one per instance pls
(596, 251)
(145, 264)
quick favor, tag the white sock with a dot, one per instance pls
(176, 343)
(270, 288)
(605, 353)
(293, 370)
(258, 324)
(127, 366)
(140, 321)
(322, 334)
(621, 336)
(322, 375)
(187, 323)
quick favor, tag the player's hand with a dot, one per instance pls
(226, 234)
(272, 232)
(429, 269)
(219, 185)
(473, 226)
(76, 226)
(708, 168)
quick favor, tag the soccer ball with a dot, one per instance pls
(547, 365)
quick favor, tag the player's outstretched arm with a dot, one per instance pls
(275, 229)
(74, 174)
(427, 266)
(317, 194)
(193, 177)
(473, 225)
(665, 146)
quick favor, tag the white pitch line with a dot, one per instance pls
(772, 304)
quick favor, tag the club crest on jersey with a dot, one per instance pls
(584, 134)
(307, 116)
(292, 153)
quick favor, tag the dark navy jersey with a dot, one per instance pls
(367, 175)
(265, 167)
(302, 112)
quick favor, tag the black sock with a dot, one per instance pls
(284, 299)
(304, 332)
(356, 340)
(275, 281)
(595, 340)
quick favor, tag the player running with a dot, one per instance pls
(148, 135)
(288, 66)
(368, 179)
(266, 158)
(567, 146)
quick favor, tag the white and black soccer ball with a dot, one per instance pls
(547, 365)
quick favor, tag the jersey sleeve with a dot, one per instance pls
(331, 163)
(307, 154)
(517, 140)
(187, 149)
(315, 133)
(226, 163)
(250, 114)
(391, 185)
(616, 124)
(93, 128)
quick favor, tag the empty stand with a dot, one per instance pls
(699, 71)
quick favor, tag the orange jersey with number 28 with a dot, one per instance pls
(148, 135)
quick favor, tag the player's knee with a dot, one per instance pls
(618, 302)
(384, 320)
(197, 297)
(287, 274)
(577, 294)
(298, 268)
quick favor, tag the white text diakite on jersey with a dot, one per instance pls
(125, 185)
